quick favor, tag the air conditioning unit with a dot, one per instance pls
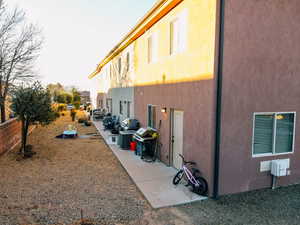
(280, 167)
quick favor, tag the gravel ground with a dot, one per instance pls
(64, 177)
(276, 207)
(67, 176)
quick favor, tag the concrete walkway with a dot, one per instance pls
(153, 179)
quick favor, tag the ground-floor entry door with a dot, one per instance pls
(177, 137)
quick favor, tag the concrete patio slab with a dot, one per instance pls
(153, 179)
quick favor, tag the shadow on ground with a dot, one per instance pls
(67, 176)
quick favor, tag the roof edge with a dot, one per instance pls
(114, 51)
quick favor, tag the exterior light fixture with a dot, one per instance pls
(164, 110)
(279, 117)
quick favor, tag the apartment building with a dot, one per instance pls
(116, 81)
(219, 80)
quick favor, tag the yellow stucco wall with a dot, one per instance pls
(109, 76)
(195, 63)
(103, 80)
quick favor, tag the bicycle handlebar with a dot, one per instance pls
(186, 162)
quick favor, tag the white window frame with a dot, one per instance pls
(109, 105)
(154, 47)
(274, 134)
(110, 71)
(120, 65)
(128, 57)
(153, 116)
(181, 18)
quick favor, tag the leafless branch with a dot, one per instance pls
(20, 45)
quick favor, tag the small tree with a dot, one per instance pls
(32, 105)
(69, 98)
(76, 98)
(61, 98)
(76, 105)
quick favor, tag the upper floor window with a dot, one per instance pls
(152, 47)
(120, 65)
(127, 61)
(110, 71)
(178, 33)
(273, 133)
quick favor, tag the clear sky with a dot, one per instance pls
(78, 33)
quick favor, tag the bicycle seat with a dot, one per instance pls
(190, 162)
(194, 170)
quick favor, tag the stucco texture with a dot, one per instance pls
(196, 99)
(123, 95)
(260, 74)
(195, 62)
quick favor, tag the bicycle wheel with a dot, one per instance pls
(202, 188)
(178, 177)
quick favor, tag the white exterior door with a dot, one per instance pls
(177, 138)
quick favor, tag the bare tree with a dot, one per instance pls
(20, 45)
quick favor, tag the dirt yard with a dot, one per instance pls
(68, 176)
(65, 177)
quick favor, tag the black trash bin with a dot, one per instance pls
(125, 138)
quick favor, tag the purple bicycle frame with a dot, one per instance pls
(190, 176)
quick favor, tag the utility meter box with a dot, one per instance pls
(279, 168)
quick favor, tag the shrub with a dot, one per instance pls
(56, 114)
(61, 107)
(73, 114)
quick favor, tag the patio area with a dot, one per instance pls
(154, 180)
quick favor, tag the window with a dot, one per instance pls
(128, 109)
(127, 61)
(152, 47)
(178, 34)
(120, 65)
(110, 71)
(152, 116)
(121, 107)
(273, 133)
(174, 36)
(109, 105)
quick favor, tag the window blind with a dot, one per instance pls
(263, 134)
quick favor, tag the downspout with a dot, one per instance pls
(219, 101)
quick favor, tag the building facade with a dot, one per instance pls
(175, 72)
(85, 97)
(116, 85)
(219, 80)
(260, 94)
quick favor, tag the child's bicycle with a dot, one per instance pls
(193, 178)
